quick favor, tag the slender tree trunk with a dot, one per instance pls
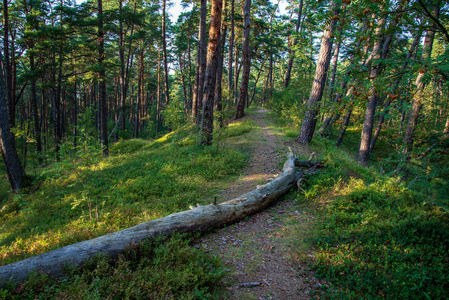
(183, 81)
(309, 121)
(201, 65)
(75, 110)
(334, 68)
(122, 80)
(164, 45)
(213, 50)
(231, 48)
(237, 68)
(218, 86)
(420, 85)
(102, 83)
(291, 51)
(57, 106)
(158, 100)
(139, 94)
(7, 66)
(394, 91)
(368, 124)
(246, 62)
(13, 167)
(255, 83)
(37, 127)
(189, 58)
(344, 126)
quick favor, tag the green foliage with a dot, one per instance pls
(151, 270)
(377, 237)
(174, 116)
(85, 195)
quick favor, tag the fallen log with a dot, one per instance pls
(198, 219)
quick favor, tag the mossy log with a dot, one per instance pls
(198, 219)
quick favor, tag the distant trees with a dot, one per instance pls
(103, 71)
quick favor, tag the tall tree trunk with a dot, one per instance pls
(7, 67)
(410, 55)
(102, 83)
(246, 61)
(13, 167)
(122, 80)
(158, 100)
(344, 126)
(201, 65)
(231, 48)
(37, 127)
(213, 50)
(164, 48)
(420, 85)
(334, 68)
(255, 82)
(291, 51)
(236, 73)
(218, 86)
(183, 82)
(75, 110)
(139, 94)
(325, 127)
(316, 93)
(368, 124)
(189, 59)
(380, 48)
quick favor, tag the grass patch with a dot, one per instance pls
(372, 236)
(239, 128)
(152, 270)
(375, 237)
(85, 197)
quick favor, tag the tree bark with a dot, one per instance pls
(291, 51)
(368, 124)
(201, 65)
(7, 67)
(102, 83)
(325, 127)
(213, 53)
(231, 48)
(255, 82)
(13, 167)
(37, 127)
(343, 127)
(394, 91)
(198, 219)
(122, 80)
(246, 61)
(164, 49)
(420, 85)
(218, 86)
(316, 93)
(158, 94)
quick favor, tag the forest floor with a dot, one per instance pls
(257, 249)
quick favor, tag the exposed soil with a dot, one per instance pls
(256, 250)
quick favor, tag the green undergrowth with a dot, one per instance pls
(151, 270)
(85, 195)
(370, 235)
(374, 236)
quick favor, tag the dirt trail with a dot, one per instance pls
(254, 250)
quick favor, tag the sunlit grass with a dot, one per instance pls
(141, 181)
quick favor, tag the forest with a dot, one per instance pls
(113, 114)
